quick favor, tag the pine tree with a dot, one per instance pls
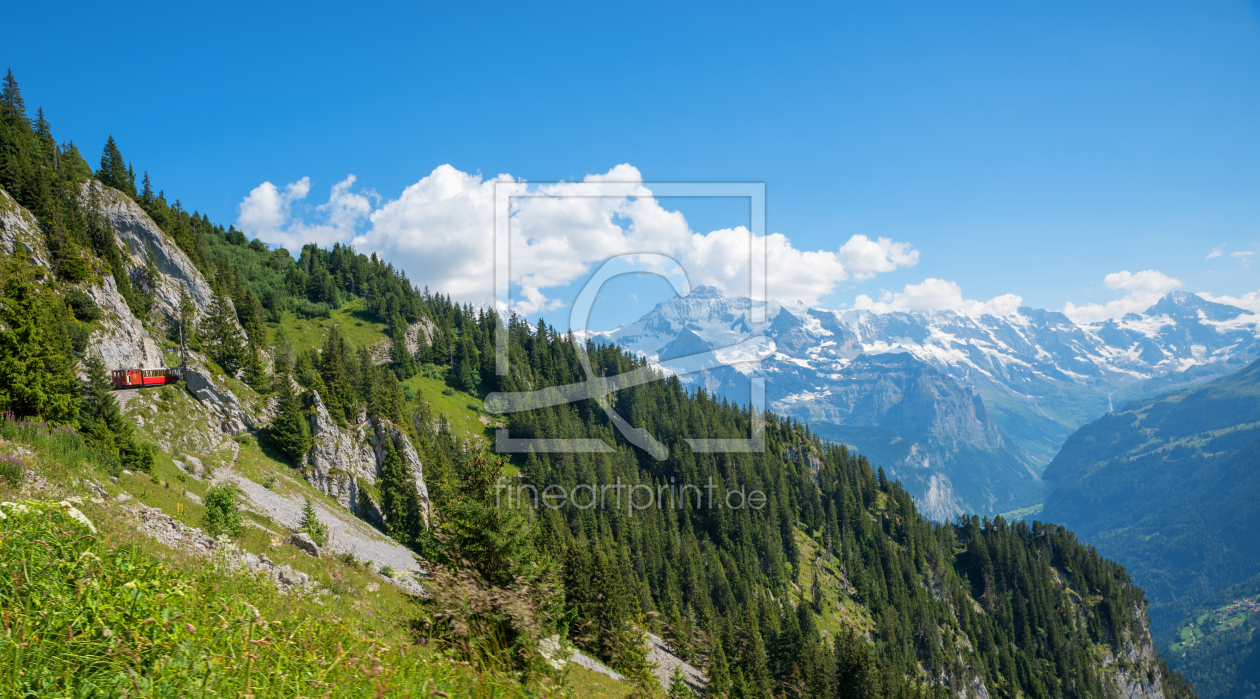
(11, 98)
(102, 422)
(404, 363)
(146, 194)
(400, 502)
(36, 373)
(186, 323)
(678, 688)
(289, 431)
(221, 338)
(113, 170)
(719, 670)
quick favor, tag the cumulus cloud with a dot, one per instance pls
(1249, 302)
(267, 213)
(864, 258)
(1141, 291)
(937, 295)
(441, 229)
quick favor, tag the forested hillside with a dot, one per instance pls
(835, 587)
(1168, 486)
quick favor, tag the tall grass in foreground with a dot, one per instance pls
(63, 448)
(82, 620)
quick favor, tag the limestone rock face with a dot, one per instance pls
(218, 398)
(20, 233)
(346, 464)
(120, 340)
(137, 234)
(334, 464)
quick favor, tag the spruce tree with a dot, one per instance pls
(221, 338)
(400, 502)
(289, 432)
(36, 372)
(103, 424)
(404, 363)
(317, 530)
(11, 98)
(113, 170)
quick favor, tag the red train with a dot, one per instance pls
(137, 378)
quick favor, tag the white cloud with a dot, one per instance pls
(1143, 289)
(440, 231)
(937, 295)
(1244, 256)
(1216, 252)
(267, 214)
(1249, 302)
(864, 258)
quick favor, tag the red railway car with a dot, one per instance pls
(139, 378)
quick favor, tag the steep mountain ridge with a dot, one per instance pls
(1168, 486)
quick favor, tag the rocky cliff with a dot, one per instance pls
(20, 233)
(119, 338)
(139, 236)
(346, 464)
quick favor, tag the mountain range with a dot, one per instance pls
(966, 410)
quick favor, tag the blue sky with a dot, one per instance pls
(1018, 148)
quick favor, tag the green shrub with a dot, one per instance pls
(222, 514)
(387, 571)
(84, 308)
(448, 391)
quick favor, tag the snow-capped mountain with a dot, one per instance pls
(992, 398)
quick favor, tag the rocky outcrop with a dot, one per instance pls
(138, 235)
(20, 233)
(334, 464)
(218, 398)
(422, 331)
(304, 543)
(382, 430)
(1134, 670)
(120, 339)
(346, 465)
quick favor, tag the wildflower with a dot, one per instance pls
(78, 516)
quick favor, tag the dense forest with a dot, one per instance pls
(1021, 606)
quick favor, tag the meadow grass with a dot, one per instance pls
(91, 607)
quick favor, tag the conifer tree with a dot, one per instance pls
(113, 170)
(317, 530)
(36, 372)
(404, 363)
(400, 502)
(102, 422)
(289, 431)
(220, 337)
(11, 98)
